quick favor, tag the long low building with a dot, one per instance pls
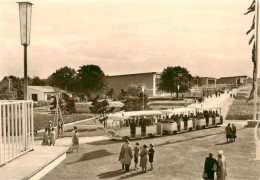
(149, 80)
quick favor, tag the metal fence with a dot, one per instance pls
(16, 129)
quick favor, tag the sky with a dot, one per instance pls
(208, 37)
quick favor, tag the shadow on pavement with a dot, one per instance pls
(105, 142)
(92, 155)
(224, 143)
(111, 174)
(132, 175)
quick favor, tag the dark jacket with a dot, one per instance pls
(209, 162)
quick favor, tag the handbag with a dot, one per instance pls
(205, 175)
(214, 168)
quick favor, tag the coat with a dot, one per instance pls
(52, 137)
(221, 170)
(209, 163)
(127, 154)
(121, 158)
(144, 159)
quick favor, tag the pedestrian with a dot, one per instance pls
(136, 154)
(144, 159)
(151, 155)
(52, 137)
(228, 132)
(128, 155)
(234, 131)
(222, 169)
(49, 128)
(45, 140)
(210, 166)
(121, 158)
(75, 141)
(60, 128)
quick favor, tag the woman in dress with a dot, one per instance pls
(136, 154)
(144, 159)
(52, 137)
(45, 140)
(221, 170)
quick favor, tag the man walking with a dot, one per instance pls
(128, 155)
(210, 166)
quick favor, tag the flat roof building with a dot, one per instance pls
(149, 80)
(233, 80)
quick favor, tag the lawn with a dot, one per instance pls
(41, 120)
(176, 157)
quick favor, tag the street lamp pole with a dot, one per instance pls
(178, 86)
(143, 96)
(25, 12)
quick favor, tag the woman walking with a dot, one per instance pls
(144, 159)
(136, 154)
(222, 169)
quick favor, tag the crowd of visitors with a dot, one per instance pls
(126, 156)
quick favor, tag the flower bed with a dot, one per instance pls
(240, 109)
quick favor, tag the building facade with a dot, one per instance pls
(149, 80)
(40, 93)
(233, 80)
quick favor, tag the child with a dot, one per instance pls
(75, 141)
(52, 137)
(136, 154)
(151, 154)
(45, 140)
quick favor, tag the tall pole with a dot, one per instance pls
(143, 101)
(256, 60)
(25, 73)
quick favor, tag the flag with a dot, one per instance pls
(251, 96)
(251, 8)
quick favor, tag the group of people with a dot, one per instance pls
(49, 136)
(212, 165)
(126, 155)
(231, 133)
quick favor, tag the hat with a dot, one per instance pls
(151, 144)
(221, 152)
(137, 143)
(127, 141)
(49, 121)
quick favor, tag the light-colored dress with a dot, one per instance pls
(221, 170)
(127, 154)
(144, 159)
(52, 137)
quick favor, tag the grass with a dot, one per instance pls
(41, 120)
(176, 157)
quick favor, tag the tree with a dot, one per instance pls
(36, 81)
(134, 102)
(63, 78)
(172, 77)
(18, 85)
(91, 79)
(69, 104)
(110, 93)
(122, 95)
(197, 80)
(101, 108)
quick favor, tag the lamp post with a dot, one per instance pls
(143, 96)
(25, 12)
(178, 87)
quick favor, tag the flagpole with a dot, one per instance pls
(256, 60)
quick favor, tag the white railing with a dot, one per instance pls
(16, 129)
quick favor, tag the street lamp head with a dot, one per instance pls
(25, 13)
(178, 86)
